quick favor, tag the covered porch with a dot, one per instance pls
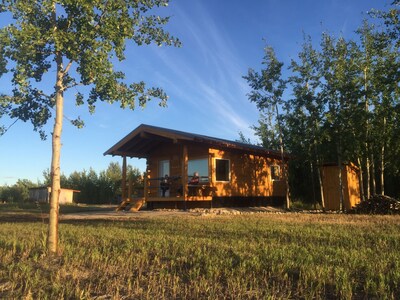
(167, 153)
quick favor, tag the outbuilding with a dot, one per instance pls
(42, 195)
(230, 173)
(341, 186)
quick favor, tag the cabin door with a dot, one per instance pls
(163, 169)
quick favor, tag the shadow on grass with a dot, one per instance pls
(39, 212)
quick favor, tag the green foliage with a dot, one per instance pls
(267, 89)
(80, 40)
(18, 192)
(291, 256)
(102, 187)
(344, 106)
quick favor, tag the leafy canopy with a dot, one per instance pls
(80, 39)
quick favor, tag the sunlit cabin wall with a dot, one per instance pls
(350, 183)
(250, 175)
(353, 186)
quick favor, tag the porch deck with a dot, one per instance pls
(179, 199)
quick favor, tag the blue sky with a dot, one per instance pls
(203, 78)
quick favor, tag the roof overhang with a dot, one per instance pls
(145, 138)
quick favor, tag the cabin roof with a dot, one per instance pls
(49, 187)
(140, 141)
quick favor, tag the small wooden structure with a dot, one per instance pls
(231, 173)
(331, 186)
(42, 195)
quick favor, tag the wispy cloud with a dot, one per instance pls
(213, 82)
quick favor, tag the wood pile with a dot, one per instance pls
(377, 205)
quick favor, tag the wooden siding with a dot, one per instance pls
(350, 183)
(250, 175)
(43, 195)
(352, 186)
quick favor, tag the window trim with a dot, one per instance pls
(229, 169)
(279, 176)
(208, 168)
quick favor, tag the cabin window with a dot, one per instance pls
(163, 168)
(275, 172)
(200, 166)
(222, 170)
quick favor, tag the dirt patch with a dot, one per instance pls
(113, 215)
(157, 213)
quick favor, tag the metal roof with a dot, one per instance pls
(144, 138)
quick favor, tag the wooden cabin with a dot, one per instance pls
(230, 173)
(331, 185)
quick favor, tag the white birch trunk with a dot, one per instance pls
(52, 241)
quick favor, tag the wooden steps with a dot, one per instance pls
(134, 203)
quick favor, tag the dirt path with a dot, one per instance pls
(144, 214)
(109, 213)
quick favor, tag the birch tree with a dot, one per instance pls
(308, 107)
(267, 91)
(73, 43)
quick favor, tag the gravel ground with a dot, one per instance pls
(142, 214)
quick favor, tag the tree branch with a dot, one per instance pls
(68, 67)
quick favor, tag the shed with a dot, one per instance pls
(230, 172)
(331, 186)
(42, 194)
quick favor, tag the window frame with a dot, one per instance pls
(278, 176)
(229, 169)
(202, 179)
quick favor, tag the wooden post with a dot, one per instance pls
(146, 188)
(123, 183)
(184, 173)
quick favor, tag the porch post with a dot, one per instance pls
(184, 173)
(146, 189)
(123, 183)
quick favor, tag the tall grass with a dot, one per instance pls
(242, 257)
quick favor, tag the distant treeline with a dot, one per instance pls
(102, 187)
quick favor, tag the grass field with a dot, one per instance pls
(262, 256)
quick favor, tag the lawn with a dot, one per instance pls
(259, 256)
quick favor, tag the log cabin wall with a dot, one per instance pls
(250, 175)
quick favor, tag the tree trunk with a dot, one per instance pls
(360, 177)
(284, 169)
(373, 182)
(52, 241)
(312, 183)
(321, 186)
(367, 162)
(340, 164)
(382, 168)
(368, 175)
